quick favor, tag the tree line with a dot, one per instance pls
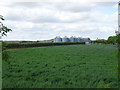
(110, 40)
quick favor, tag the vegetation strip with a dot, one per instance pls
(27, 45)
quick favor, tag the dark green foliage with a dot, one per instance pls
(4, 45)
(73, 66)
(119, 57)
(112, 39)
(27, 45)
(5, 54)
(100, 41)
(3, 29)
(118, 39)
(1, 17)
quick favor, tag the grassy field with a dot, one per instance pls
(74, 66)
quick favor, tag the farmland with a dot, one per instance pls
(73, 66)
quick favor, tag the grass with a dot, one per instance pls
(74, 66)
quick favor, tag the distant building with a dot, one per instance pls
(65, 39)
(71, 39)
(57, 39)
(85, 40)
(79, 39)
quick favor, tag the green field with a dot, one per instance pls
(73, 66)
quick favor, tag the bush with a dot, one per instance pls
(5, 54)
(112, 39)
(27, 45)
(100, 41)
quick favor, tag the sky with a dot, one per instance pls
(46, 19)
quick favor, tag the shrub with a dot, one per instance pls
(27, 45)
(5, 54)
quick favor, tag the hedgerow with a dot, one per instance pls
(27, 45)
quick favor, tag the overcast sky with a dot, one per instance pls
(41, 20)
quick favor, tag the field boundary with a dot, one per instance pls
(43, 46)
(30, 45)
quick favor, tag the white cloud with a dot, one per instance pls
(104, 18)
(45, 20)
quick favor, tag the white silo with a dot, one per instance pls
(58, 39)
(86, 39)
(65, 39)
(79, 39)
(82, 40)
(72, 39)
(75, 39)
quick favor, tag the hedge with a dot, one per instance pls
(27, 45)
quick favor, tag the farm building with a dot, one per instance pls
(57, 39)
(65, 39)
(71, 39)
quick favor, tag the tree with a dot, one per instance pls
(112, 39)
(100, 41)
(3, 31)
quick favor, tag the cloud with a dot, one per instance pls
(74, 6)
(104, 18)
(47, 19)
(110, 3)
(25, 4)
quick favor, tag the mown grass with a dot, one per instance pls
(75, 66)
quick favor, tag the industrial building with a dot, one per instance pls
(71, 39)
